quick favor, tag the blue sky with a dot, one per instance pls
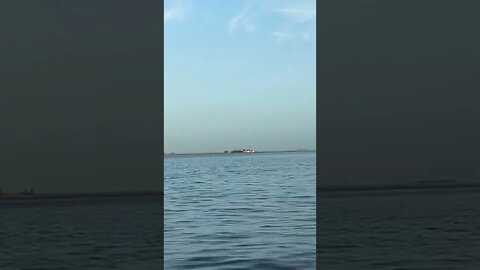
(239, 74)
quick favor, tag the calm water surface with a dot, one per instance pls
(104, 233)
(240, 211)
(400, 230)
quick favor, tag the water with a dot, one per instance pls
(244, 211)
(102, 233)
(416, 229)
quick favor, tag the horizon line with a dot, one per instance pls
(265, 151)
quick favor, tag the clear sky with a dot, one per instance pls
(239, 74)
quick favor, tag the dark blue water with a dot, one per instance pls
(245, 211)
(427, 228)
(106, 233)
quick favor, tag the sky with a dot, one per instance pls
(80, 96)
(239, 74)
(399, 91)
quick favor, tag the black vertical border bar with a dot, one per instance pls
(161, 132)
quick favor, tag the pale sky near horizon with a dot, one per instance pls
(239, 74)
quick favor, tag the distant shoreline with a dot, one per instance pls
(257, 152)
(421, 185)
(14, 197)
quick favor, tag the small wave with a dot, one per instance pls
(218, 262)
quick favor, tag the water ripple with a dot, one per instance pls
(83, 234)
(240, 212)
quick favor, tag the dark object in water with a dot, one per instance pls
(28, 191)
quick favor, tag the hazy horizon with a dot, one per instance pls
(257, 150)
(239, 74)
